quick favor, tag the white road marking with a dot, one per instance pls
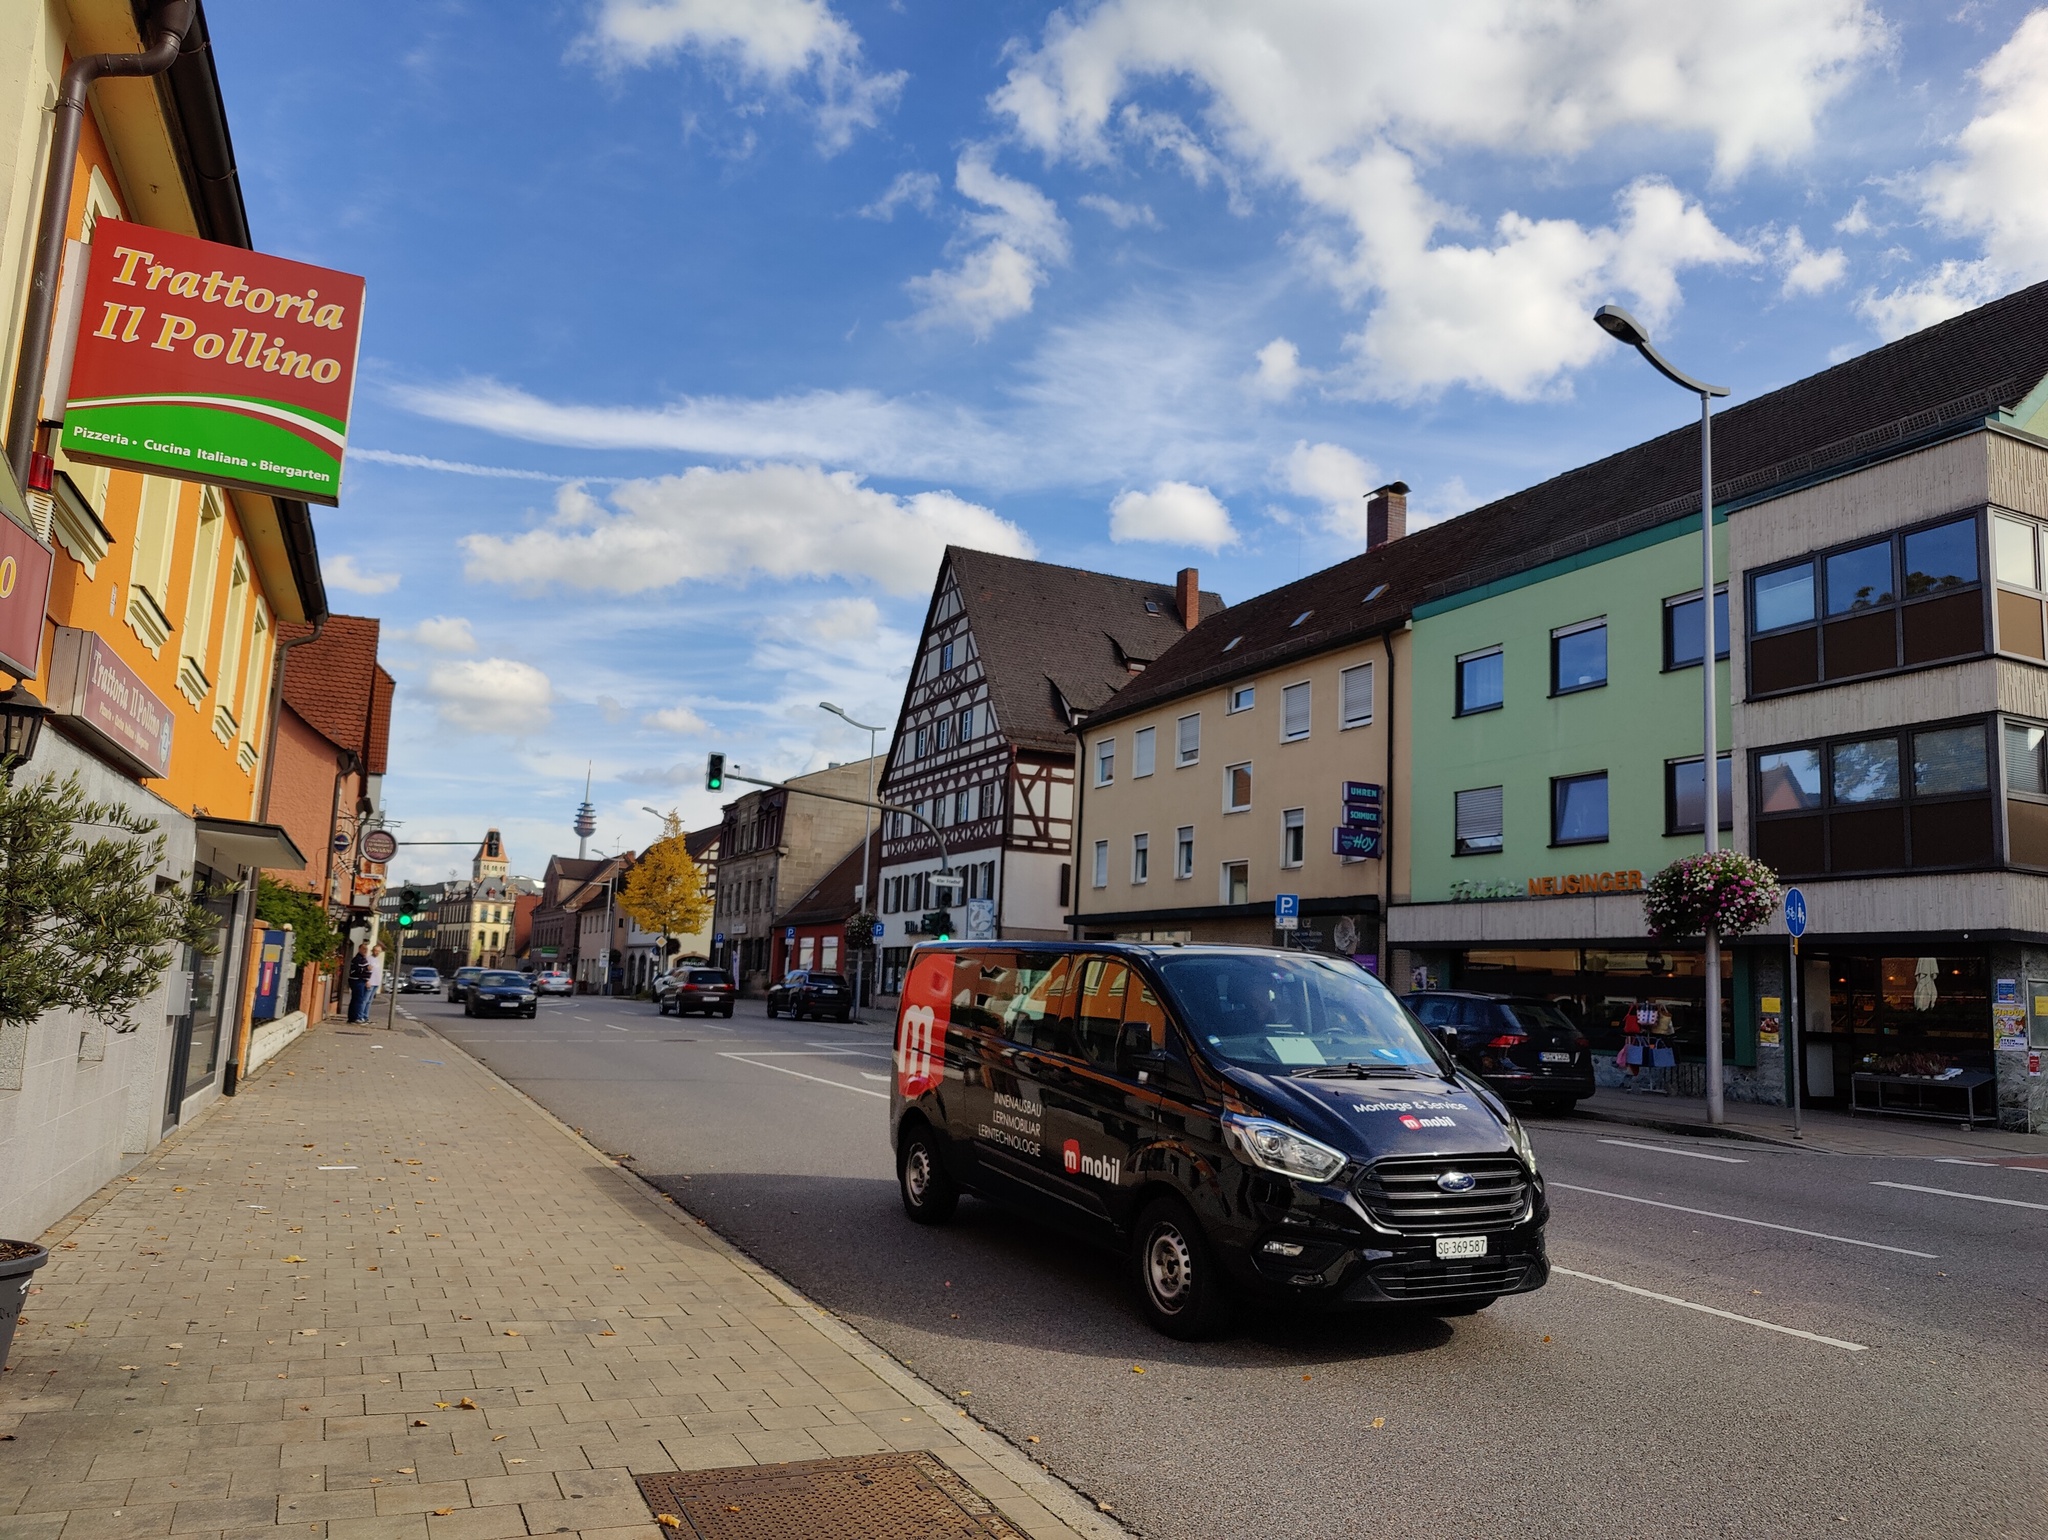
(619, 1029)
(1762, 1224)
(1665, 1149)
(1974, 1197)
(1726, 1315)
(868, 1074)
(859, 1090)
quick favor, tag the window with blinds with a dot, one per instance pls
(1187, 748)
(1355, 696)
(1479, 821)
(1294, 712)
(1142, 751)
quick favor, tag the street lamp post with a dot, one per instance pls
(1623, 327)
(867, 876)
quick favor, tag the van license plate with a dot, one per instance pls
(1452, 1248)
(1557, 1058)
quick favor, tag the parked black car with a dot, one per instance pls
(459, 982)
(1525, 1048)
(807, 992)
(695, 989)
(421, 981)
(494, 992)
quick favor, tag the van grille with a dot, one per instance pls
(1404, 1195)
(1446, 1280)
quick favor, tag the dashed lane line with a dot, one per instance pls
(1726, 1315)
(1761, 1224)
(1974, 1197)
(858, 1090)
(1666, 1149)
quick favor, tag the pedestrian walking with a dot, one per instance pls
(376, 974)
(359, 983)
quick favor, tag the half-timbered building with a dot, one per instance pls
(1013, 654)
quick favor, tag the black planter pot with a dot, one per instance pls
(14, 1279)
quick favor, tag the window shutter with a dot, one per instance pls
(1141, 751)
(1189, 744)
(1295, 710)
(1357, 703)
(1479, 814)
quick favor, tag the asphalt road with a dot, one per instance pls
(1859, 1359)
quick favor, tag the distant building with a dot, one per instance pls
(811, 933)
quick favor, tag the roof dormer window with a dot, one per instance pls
(1231, 645)
(1300, 618)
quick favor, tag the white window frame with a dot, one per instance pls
(1501, 832)
(1184, 852)
(1242, 698)
(1294, 834)
(1102, 863)
(1141, 858)
(1345, 720)
(1223, 880)
(1229, 771)
(1287, 698)
(1182, 755)
(1144, 753)
(1105, 761)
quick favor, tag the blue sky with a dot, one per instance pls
(696, 328)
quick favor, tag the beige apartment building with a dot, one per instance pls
(1263, 754)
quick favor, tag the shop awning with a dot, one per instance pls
(230, 842)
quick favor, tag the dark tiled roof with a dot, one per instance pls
(1960, 371)
(563, 876)
(701, 842)
(829, 900)
(336, 685)
(1037, 624)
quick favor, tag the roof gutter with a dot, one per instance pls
(171, 20)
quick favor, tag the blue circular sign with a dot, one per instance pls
(341, 840)
(1795, 912)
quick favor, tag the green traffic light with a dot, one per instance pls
(714, 773)
(405, 919)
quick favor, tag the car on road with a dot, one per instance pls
(810, 992)
(1246, 1124)
(1523, 1046)
(459, 982)
(420, 981)
(496, 991)
(553, 981)
(689, 990)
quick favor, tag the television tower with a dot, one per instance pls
(586, 819)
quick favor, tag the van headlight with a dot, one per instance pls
(1518, 1139)
(1275, 1147)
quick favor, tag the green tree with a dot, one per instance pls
(85, 924)
(314, 938)
(664, 893)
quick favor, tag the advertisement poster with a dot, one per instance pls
(2009, 1025)
(211, 363)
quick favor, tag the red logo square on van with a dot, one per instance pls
(1071, 1151)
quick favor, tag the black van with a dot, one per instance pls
(1248, 1123)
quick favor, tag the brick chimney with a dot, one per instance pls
(1189, 588)
(1386, 514)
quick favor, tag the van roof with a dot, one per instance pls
(1134, 948)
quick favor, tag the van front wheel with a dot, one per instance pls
(1179, 1282)
(929, 1196)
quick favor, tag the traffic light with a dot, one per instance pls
(408, 906)
(714, 773)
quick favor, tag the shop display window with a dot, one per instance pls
(1908, 1015)
(1607, 993)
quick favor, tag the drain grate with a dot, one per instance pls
(863, 1497)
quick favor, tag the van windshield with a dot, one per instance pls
(1285, 1014)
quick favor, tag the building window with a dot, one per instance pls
(1244, 696)
(1906, 800)
(1237, 788)
(1142, 751)
(2016, 563)
(945, 657)
(1578, 657)
(1909, 599)
(1294, 712)
(1685, 796)
(991, 798)
(942, 730)
(1141, 857)
(1478, 822)
(1187, 740)
(1105, 761)
(1683, 641)
(1237, 883)
(1293, 831)
(966, 724)
(1578, 809)
(1102, 863)
(924, 743)
(1184, 851)
(1354, 695)
(962, 805)
(1481, 681)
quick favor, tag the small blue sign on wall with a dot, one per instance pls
(1795, 912)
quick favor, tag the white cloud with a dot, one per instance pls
(1343, 102)
(1856, 222)
(780, 521)
(1019, 234)
(843, 622)
(1948, 290)
(442, 633)
(1334, 477)
(1280, 373)
(491, 695)
(916, 188)
(776, 41)
(1807, 271)
(1125, 216)
(676, 719)
(1172, 513)
(343, 571)
(458, 467)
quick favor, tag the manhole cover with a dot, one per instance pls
(863, 1497)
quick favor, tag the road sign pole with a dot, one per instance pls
(1795, 927)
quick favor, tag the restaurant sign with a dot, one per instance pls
(211, 363)
(25, 568)
(100, 698)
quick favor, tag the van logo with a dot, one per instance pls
(1071, 1150)
(1104, 1168)
(1457, 1181)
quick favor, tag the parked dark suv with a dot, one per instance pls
(1525, 1048)
(807, 992)
(695, 989)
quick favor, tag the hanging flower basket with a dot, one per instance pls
(1734, 892)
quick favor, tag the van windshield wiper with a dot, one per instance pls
(1355, 1070)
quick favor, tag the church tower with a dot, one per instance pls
(491, 864)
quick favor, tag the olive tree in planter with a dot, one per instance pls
(86, 926)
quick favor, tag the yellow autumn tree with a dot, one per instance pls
(664, 892)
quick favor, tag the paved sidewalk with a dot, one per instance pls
(1833, 1133)
(279, 1324)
